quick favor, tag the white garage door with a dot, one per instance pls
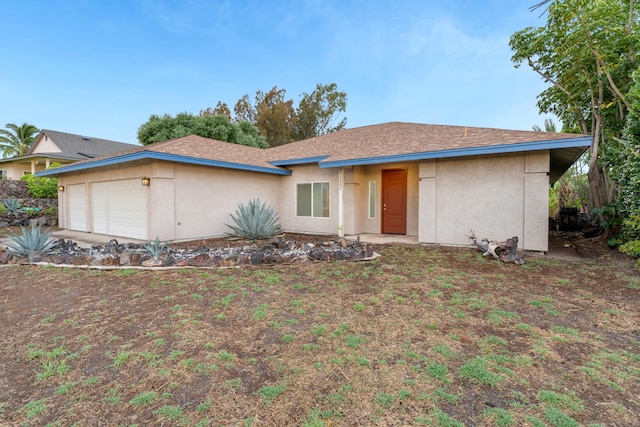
(120, 208)
(77, 207)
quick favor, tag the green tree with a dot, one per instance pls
(163, 128)
(280, 122)
(586, 51)
(623, 160)
(549, 126)
(17, 140)
(318, 112)
(221, 109)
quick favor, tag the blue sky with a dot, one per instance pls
(101, 68)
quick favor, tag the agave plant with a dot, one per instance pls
(255, 221)
(13, 205)
(156, 248)
(31, 241)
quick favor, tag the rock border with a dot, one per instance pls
(131, 255)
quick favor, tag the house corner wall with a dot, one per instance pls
(496, 197)
(536, 201)
(352, 199)
(162, 213)
(427, 202)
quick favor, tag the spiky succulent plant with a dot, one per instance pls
(255, 221)
(13, 205)
(156, 248)
(31, 241)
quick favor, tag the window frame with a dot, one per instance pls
(312, 194)
(372, 200)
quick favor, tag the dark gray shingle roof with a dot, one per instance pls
(82, 147)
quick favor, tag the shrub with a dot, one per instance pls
(31, 241)
(255, 221)
(631, 228)
(41, 187)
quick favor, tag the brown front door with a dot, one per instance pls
(394, 201)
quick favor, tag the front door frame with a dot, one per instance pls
(394, 201)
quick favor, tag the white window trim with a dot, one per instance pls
(311, 216)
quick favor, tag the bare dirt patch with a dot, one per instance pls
(419, 336)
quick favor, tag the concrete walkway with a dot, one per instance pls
(381, 239)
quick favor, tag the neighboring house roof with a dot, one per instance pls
(68, 147)
(375, 144)
(77, 147)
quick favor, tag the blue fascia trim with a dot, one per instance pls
(299, 161)
(462, 152)
(151, 155)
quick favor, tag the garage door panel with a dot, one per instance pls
(120, 208)
(77, 207)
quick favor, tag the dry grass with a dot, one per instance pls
(420, 336)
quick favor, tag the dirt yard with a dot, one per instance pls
(420, 336)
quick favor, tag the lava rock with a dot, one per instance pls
(82, 260)
(201, 260)
(256, 258)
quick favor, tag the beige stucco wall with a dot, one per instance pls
(287, 200)
(17, 170)
(45, 145)
(495, 196)
(205, 196)
(184, 201)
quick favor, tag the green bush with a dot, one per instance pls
(255, 221)
(41, 187)
(631, 231)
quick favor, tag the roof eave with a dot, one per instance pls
(463, 152)
(299, 161)
(152, 155)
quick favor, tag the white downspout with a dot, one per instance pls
(340, 203)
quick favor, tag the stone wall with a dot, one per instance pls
(10, 188)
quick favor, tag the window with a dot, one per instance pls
(372, 199)
(3, 174)
(312, 199)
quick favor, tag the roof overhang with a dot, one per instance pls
(300, 161)
(580, 144)
(30, 157)
(154, 155)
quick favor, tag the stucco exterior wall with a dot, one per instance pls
(495, 196)
(287, 200)
(15, 170)
(45, 145)
(205, 196)
(184, 201)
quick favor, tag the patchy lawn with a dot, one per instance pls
(420, 336)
